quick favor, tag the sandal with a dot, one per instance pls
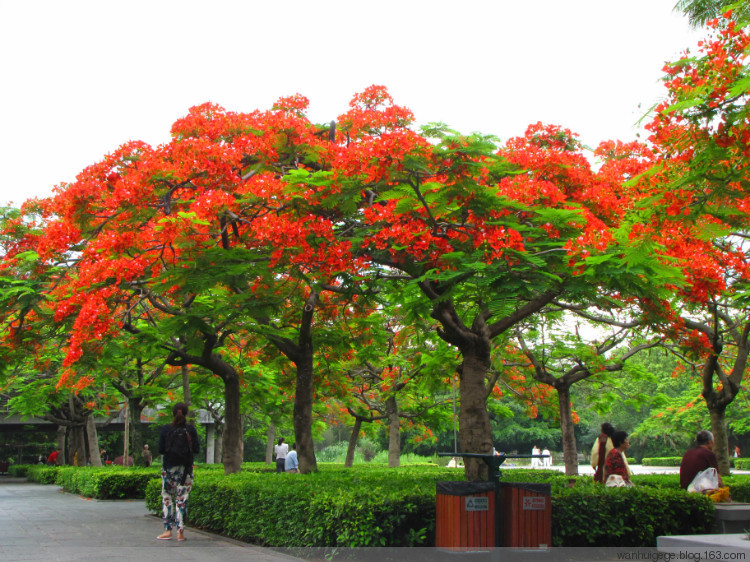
(180, 536)
(165, 536)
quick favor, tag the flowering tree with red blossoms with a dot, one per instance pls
(174, 244)
(700, 210)
(489, 236)
(244, 221)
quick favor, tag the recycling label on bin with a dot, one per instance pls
(477, 504)
(534, 503)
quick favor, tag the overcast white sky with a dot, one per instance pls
(79, 78)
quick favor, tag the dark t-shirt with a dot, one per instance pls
(167, 462)
(695, 460)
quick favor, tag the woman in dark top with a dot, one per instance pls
(178, 443)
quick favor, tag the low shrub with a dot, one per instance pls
(671, 481)
(43, 474)
(344, 508)
(376, 506)
(661, 461)
(111, 482)
(739, 487)
(19, 470)
(741, 464)
(633, 517)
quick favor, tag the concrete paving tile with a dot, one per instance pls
(42, 523)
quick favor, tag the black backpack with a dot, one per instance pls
(179, 446)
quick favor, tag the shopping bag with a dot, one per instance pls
(705, 480)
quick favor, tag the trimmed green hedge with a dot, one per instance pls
(19, 470)
(112, 482)
(42, 474)
(376, 506)
(387, 507)
(633, 517)
(662, 461)
(741, 464)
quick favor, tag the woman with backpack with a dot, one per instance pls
(178, 443)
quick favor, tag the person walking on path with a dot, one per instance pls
(547, 460)
(178, 443)
(602, 446)
(535, 459)
(281, 450)
(616, 464)
(698, 459)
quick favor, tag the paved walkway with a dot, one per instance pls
(43, 523)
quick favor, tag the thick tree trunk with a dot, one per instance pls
(353, 438)
(232, 442)
(219, 444)
(135, 409)
(303, 403)
(92, 438)
(570, 453)
(717, 414)
(475, 431)
(270, 440)
(394, 437)
(77, 445)
(303, 396)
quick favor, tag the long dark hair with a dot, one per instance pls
(180, 412)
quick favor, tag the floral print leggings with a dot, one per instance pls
(174, 496)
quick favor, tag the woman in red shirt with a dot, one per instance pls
(615, 462)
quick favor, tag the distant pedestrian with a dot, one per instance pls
(547, 461)
(535, 459)
(290, 463)
(147, 456)
(602, 446)
(281, 451)
(52, 459)
(104, 456)
(178, 444)
(736, 451)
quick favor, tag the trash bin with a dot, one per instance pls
(525, 514)
(475, 516)
(465, 516)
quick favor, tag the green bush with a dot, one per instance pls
(19, 470)
(345, 508)
(375, 506)
(43, 474)
(102, 483)
(741, 464)
(372, 505)
(671, 481)
(662, 461)
(631, 517)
